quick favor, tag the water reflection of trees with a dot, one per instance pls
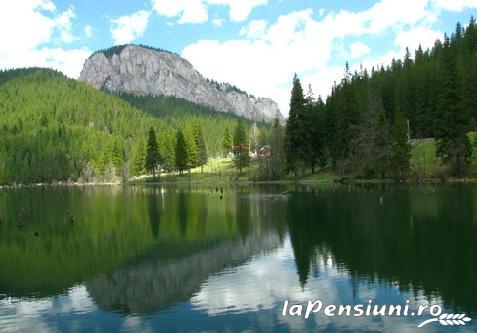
(172, 272)
(424, 240)
(113, 226)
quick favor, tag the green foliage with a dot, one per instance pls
(241, 148)
(181, 156)
(152, 152)
(55, 128)
(202, 147)
(434, 91)
(371, 151)
(226, 142)
(400, 147)
(138, 164)
(295, 143)
(175, 113)
(271, 157)
(453, 145)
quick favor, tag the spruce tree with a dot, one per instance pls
(277, 153)
(181, 152)
(295, 142)
(201, 146)
(226, 143)
(453, 145)
(139, 159)
(240, 147)
(152, 153)
(400, 147)
(190, 136)
(371, 145)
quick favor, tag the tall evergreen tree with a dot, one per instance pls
(400, 147)
(371, 145)
(138, 163)
(453, 144)
(240, 147)
(152, 153)
(226, 142)
(181, 152)
(191, 139)
(295, 142)
(202, 147)
(277, 153)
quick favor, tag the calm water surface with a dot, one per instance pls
(172, 259)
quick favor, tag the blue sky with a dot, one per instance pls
(254, 44)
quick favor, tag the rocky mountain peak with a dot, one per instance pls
(143, 70)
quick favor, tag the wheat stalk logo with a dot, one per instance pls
(451, 319)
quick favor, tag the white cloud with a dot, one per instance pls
(88, 31)
(70, 62)
(64, 24)
(255, 29)
(218, 22)
(456, 5)
(190, 11)
(304, 42)
(127, 28)
(358, 49)
(23, 26)
(239, 9)
(196, 11)
(31, 26)
(417, 36)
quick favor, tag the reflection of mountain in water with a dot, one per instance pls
(150, 286)
(425, 242)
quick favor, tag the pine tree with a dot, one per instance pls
(277, 153)
(254, 136)
(152, 153)
(453, 145)
(312, 123)
(190, 136)
(371, 148)
(203, 155)
(181, 152)
(117, 155)
(400, 147)
(226, 143)
(138, 163)
(294, 139)
(240, 147)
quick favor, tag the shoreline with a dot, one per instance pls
(303, 181)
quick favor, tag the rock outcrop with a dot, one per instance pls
(142, 70)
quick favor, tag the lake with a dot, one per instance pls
(194, 259)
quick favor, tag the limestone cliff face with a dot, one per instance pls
(145, 71)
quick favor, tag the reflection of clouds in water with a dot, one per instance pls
(136, 324)
(266, 282)
(78, 301)
(262, 283)
(34, 315)
(255, 291)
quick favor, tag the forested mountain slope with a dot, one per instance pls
(55, 128)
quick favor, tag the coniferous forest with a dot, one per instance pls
(368, 124)
(55, 128)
